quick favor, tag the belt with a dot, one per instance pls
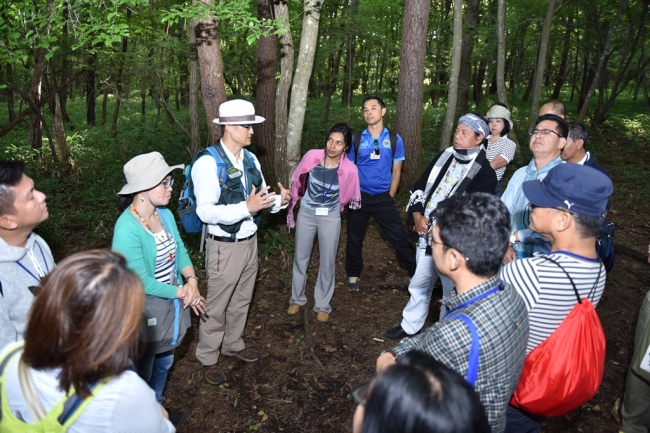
(229, 239)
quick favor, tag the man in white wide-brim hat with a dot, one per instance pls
(230, 203)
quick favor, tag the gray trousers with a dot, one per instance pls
(328, 229)
(636, 403)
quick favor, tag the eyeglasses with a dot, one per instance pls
(167, 183)
(532, 207)
(544, 132)
(376, 147)
(434, 242)
(246, 126)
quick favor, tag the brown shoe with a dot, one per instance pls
(293, 309)
(322, 316)
(247, 354)
(214, 374)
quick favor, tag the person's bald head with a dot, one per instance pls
(553, 107)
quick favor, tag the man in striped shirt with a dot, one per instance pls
(567, 207)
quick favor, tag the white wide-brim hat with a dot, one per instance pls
(237, 112)
(145, 171)
(497, 111)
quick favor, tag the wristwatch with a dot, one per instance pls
(513, 239)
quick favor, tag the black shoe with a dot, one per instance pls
(175, 417)
(396, 333)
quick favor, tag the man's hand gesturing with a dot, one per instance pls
(257, 201)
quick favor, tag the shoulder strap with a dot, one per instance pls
(575, 289)
(3, 365)
(32, 400)
(220, 159)
(474, 350)
(393, 142)
(357, 143)
(74, 406)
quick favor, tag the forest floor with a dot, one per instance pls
(303, 381)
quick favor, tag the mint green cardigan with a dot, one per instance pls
(138, 246)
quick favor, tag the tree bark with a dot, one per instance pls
(304, 67)
(448, 123)
(408, 120)
(90, 90)
(11, 95)
(465, 77)
(501, 52)
(265, 95)
(213, 86)
(541, 63)
(40, 63)
(560, 77)
(195, 124)
(59, 131)
(350, 44)
(118, 82)
(281, 8)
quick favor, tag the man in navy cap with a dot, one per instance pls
(567, 207)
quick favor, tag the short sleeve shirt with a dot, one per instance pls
(375, 175)
(504, 147)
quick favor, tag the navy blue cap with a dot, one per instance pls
(574, 187)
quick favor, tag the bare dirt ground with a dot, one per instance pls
(303, 381)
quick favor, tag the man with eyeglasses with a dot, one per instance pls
(567, 207)
(547, 138)
(484, 336)
(233, 214)
(379, 177)
(459, 169)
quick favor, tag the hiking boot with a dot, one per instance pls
(353, 284)
(293, 309)
(396, 333)
(247, 355)
(213, 374)
(322, 316)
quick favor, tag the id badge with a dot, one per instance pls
(322, 211)
(373, 155)
(645, 363)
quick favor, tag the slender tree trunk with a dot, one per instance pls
(59, 131)
(105, 92)
(501, 52)
(602, 61)
(541, 63)
(560, 77)
(448, 123)
(195, 123)
(411, 85)
(90, 90)
(350, 44)
(465, 77)
(184, 73)
(40, 63)
(118, 82)
(300, 85)
(213, 86)
(281, 8)
(11, 94)
(265, 95)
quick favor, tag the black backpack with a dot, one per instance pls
(605, 244)
(357, 143)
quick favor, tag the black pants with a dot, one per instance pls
(382, 208)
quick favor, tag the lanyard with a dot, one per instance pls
(244, 181)
(29, 272)
(325, 192)
(478, 297)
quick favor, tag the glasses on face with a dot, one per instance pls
(434, 242)
(246, 126)
(532, 207)
(544, 132)
(376, 147)
(167, 183)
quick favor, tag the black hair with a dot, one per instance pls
(506, 124)
(123, 202)
(588, 226)
(420, 394)
(368, 98)
(477, 225)
(562, 128)
(485, 136)
(11, 173)
(578, 131)
(344, 129)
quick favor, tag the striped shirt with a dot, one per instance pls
(547, 291)
(165, 258)
(504, 147)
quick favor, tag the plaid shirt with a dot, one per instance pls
(502, 323)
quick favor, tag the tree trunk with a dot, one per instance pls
(501, 52)
(350, 44)
(104, 102)
(448, 123)
(465, 77)
(602, 61)
(195, 123)
(541, 63)
(59, 131)
(213, 86)
(265, 95)
(300, 85)
(90, 90)
(282, 93)
(118, 82)
(11, 94)
(184, 72)
(560, 77)
(408, 120)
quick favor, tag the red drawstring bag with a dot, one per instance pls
(564, 371)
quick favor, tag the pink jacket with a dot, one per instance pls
(349, 191)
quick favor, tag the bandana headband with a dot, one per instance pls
(475, 123)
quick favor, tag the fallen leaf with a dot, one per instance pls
(330, 349)
(263, 303)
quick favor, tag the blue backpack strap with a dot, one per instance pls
(222, 173)
(474, 350)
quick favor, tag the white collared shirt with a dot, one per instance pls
(207, 192)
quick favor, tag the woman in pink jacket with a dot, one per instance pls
(327, 181)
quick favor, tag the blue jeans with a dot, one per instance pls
(153, 370)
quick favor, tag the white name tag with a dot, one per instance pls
(151, 322)
(645, 363)
(321, 211)
(373, 155)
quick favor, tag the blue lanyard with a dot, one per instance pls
(325, 192)
(478, 297)
(28, 271)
